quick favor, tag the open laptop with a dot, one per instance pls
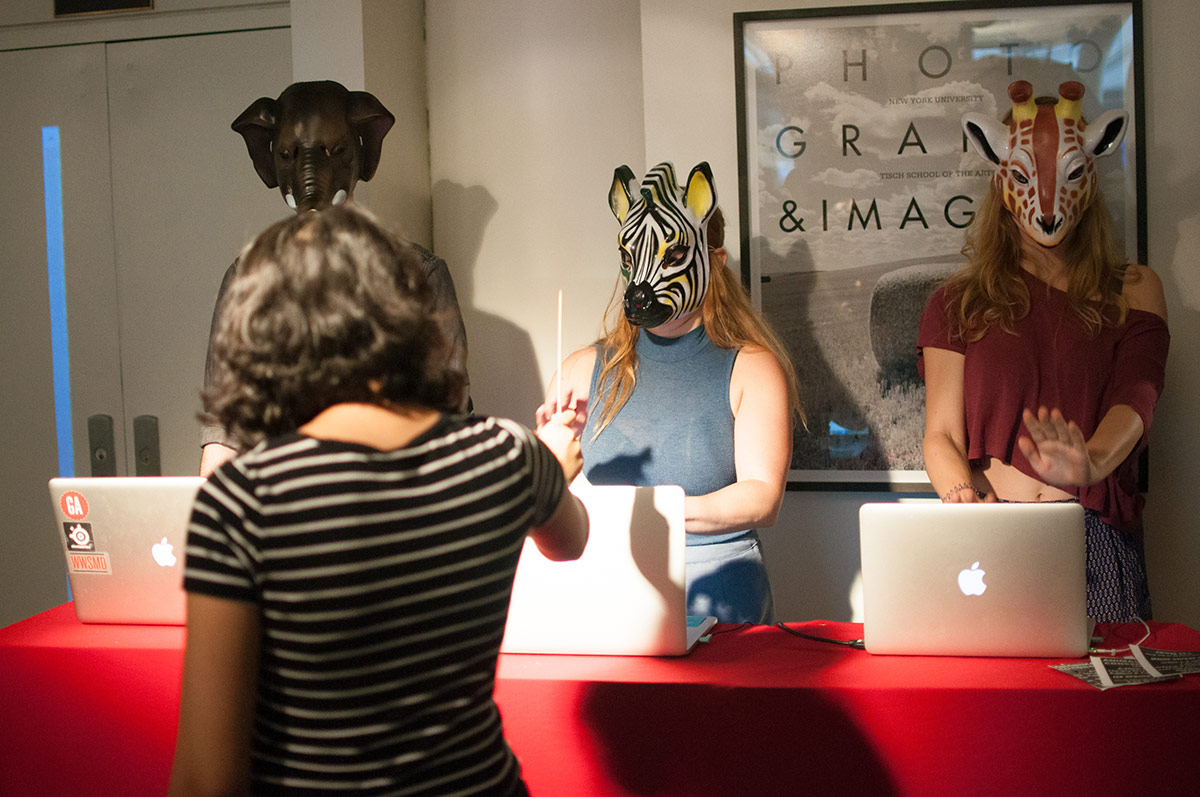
(974, 579)
(625, 595)
(123, 539)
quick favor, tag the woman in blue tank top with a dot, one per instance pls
(688, 385)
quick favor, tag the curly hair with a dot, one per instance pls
(989, 291)
(729, 319)
(326, 308)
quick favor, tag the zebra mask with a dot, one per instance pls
(663, 241)
(1045, 158)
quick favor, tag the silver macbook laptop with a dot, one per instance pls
(624, 596)
(974, 579)
(123, 539)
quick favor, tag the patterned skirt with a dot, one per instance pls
(1117, 587)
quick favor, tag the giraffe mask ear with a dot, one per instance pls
(1103, 136)
(987, 136)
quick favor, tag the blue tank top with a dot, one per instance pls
(676, 428)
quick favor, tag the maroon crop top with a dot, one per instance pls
(1053, 361)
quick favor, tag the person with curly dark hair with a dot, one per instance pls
(349, 574)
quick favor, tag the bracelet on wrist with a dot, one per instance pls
(959, 488)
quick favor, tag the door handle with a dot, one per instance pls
(100, 445)
(145, 446)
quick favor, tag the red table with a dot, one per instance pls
(755, 711)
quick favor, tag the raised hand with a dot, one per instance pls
(570, 402)
(1056, 449)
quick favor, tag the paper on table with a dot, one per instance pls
(1147, 665)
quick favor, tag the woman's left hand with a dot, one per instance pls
(559, 435)
(1056, 448)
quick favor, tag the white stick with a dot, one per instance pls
(558, 404)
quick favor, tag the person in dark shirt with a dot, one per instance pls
(314, 143)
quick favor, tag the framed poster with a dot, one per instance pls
(856, 184)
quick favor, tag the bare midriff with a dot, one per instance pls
(1010, 484)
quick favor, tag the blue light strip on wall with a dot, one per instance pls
(57, 280)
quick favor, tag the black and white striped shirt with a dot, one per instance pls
(383, 580)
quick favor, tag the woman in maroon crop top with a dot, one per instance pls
(1044, 357)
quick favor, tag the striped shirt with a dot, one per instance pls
(383, 580)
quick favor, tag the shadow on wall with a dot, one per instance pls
(1172, 550)
(1173, 256)
(502, 364)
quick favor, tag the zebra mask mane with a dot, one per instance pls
(663, 241)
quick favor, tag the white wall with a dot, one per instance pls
(376, 46)
(1173, 210)
(531, 105)
(534, 103)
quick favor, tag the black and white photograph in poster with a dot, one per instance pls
(857, 183)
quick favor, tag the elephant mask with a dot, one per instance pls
(315, 142)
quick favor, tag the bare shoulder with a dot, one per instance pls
(580, 361)
(1143, 290)
(577, 370)
(757, 381)
(754, 364)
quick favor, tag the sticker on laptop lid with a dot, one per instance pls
(89, 563)
(79, 537)
(74, 505)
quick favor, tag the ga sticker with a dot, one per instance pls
(73, 505)
(89, 563)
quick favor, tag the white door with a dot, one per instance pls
(158, 196)
(62, 89)
(185, 198)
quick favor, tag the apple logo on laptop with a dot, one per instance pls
(971, 581)
(164, 553)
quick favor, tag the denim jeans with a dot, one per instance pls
(728, 580)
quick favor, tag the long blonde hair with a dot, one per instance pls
(989, 291)
(730, 321)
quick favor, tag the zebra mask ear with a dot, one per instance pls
(620, 195)
(701, 195)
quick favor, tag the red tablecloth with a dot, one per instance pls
(754, 711)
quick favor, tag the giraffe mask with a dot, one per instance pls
(1045, 157)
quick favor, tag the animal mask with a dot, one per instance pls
(1045, 157)
(315, 142)
(663, 241)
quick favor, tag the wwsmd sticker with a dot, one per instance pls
(88, 563)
